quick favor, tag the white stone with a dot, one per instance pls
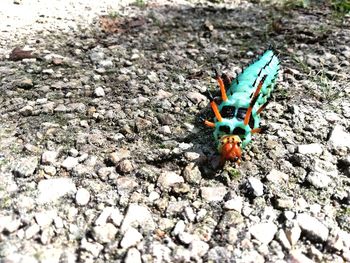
(313, 227)
(9, 223)
(198, 248)
(70, 162)
(319, 180)
(165, 129)
(45, 218)
(339, 138)
(293, 234)
(105, 233)
(49, 157)
(109, 213)
(313, 148)
(133, 256)
(196, 97)
(213, 194)
(131, 238)
(82, 197)
(93, 248)
(264, 232)
(168, 179)
(52, 189)
(234, 204)
(276, 176)
(138, 216)
(185, 238)
(99, 92)
(32, 231)
(179, 227)
(256, 185)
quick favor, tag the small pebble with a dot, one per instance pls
(82, 197)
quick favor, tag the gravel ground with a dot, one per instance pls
(103, 157)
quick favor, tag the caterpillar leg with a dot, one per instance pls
(253, 101)
(227, 80)
(262, 129)
(262, 107)
(221, 85)
(214, 107)
(208, 123)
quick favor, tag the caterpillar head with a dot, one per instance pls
(229, 148)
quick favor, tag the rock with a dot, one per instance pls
(82, 197)
(196, 97)
(49, 157)
(26, 111)
(276, 176)
(131, 238)
(106, 64)
(25, 167)
(179, 227)
(133, 256)
(25, 84)
(293, 234)
(213, 194)
(45, 218)
(190, 215)
(313, 148)
(256, 186)
(31, 231)
(339, 138)
(125, 185)
(198, 248)
(109, 213)
(125, 166)
(165, 129)
(282, 237)
(185, 238)
(93, 248)
(264, 232)
(105, 233)
(9, 223)
(69, 163)
(116, 157)
(169, 179)
(161, 94)
(97, 56)
(234, 204)
(138, 216)
(52, 189)
(152, 76)
(296, 256)
(319, 180)
(192, 174)
(312, 227)
(99, 92)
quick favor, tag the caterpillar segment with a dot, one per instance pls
(237, 117)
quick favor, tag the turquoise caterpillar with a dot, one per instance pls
(237, 117)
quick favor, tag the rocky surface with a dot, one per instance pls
(103, 157)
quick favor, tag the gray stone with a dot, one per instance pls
(192, 174)
(153, 77)
(82, 197)
(138, 216)
(213, 194)
(52, 189)
(25, 167)
(312, 227)
(131, 238)
(26, 111)
(125, 166)
(196, 97)
(256, 186)
(169, 179)
(264, 232)
(105, 233)
(313, 148)
(125, 185)
(339, 138)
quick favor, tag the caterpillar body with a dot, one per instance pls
(237, 117)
